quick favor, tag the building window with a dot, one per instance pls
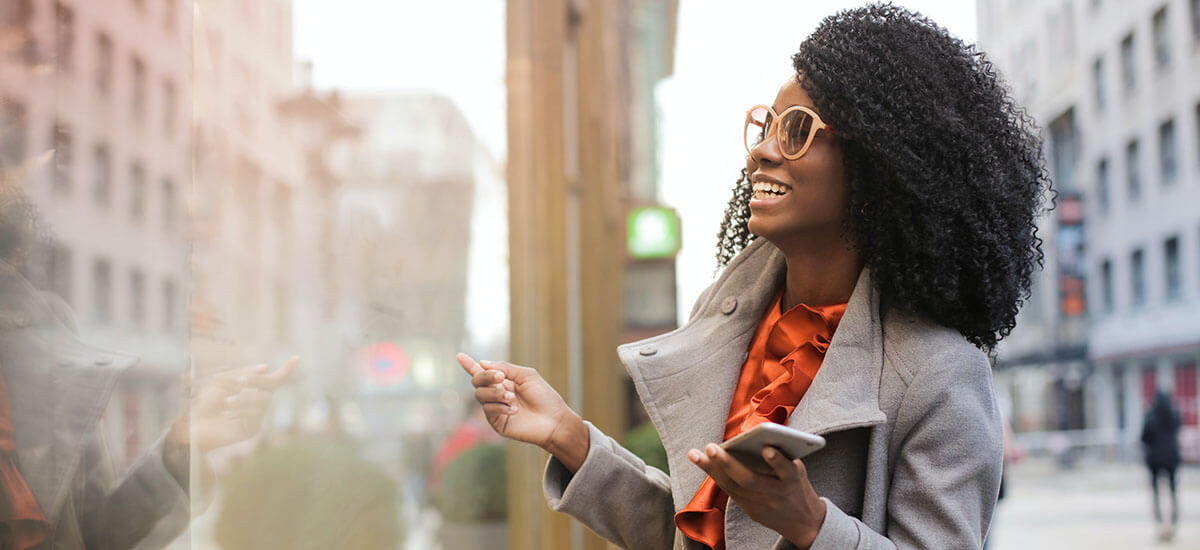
(1106, 286)
(168, 206)
(59, 272)
(62, 158)
(1195, 4)
(1162, 39)
(1103, 185)
(102, 292)
(64, 33)
(169, 104)
(137, 192)
(1168, 158)
(1174, 276)
(168, 294)
(1132, 173)
(1098, 83)
(104, 64)
(137, 298)
(13, 130)
(1128, 63)
(139, 87)
(1137, 278)
(101, 175)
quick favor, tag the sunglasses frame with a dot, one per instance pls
(817, 125)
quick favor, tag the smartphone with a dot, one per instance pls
(747, 446)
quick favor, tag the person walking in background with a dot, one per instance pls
(888, 202)
(1160, 440)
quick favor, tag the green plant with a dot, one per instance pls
(474, 485)
(644, 442)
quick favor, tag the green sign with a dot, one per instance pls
(653, 232)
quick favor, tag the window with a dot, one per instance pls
(1132, 173)
(1195, 4)
(169, 104)
(1128, 67)
(102, 291)
(1162, 39)
(1103, 184)
(137, 298)
(138, 106)
(1174, 278)
(168, 294)
(101, 175)
(1098, 89)
(1137, 278)
(137, 192)
(62, 158)
(1106, 286)
(59, 272)
(12, 133)
(1167, 156)
(64, 33)
(104, 64)
(168, 205)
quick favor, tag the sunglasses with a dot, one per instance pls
(796, 128)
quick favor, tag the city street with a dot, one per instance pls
(1095, 505)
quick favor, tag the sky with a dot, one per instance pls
(729, 56)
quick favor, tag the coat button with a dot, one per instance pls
(647, 352)
(728, 305)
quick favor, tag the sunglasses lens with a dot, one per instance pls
(758, 123)
(793, 131)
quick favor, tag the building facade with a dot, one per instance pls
(1115, 316)
(95, 100)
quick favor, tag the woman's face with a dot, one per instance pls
(815, 187)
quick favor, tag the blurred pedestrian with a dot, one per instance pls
(1160, 441)
(888, 203)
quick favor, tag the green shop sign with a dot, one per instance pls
(653, 232)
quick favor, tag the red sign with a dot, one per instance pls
(386, 364)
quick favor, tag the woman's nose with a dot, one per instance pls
(766, 152)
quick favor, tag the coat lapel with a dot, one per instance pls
(686, 378)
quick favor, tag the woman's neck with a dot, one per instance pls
(820, 275)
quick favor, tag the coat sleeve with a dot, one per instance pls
(947, 460)
(615, 494)
(121, 512)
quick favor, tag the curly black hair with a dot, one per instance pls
(946, 172)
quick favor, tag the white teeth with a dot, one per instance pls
(764, 190)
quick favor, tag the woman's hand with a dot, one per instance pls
(521, 405)
(785, 502)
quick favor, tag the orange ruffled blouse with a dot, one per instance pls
(785, 354)
(22, 524)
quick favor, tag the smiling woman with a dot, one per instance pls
(887, 203)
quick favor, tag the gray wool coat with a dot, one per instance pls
(914, 439)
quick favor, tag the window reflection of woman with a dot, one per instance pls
(877, 245)
(58, 487)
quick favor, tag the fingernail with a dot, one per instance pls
(498, 376)
(712, 450)
(508, 396)
(769, 453)
(694, 455)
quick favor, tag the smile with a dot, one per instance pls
(765, 190)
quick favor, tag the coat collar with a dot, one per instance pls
(686, 378)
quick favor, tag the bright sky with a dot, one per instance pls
(729, 56)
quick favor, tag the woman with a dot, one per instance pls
(878, 244)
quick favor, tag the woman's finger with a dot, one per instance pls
(485, 378)
(783, 468)
(277, 378)
(495, 410)
(513, 372)
(468, 364)
(494, 394)
(732, 468)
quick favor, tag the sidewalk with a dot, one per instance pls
(1094, 505)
